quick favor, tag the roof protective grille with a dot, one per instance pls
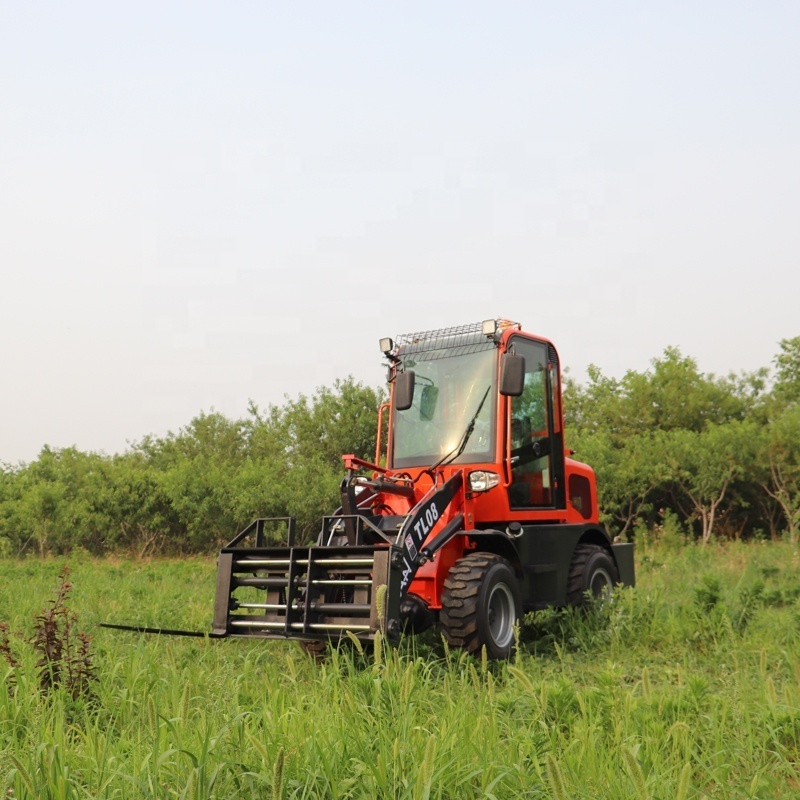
(448, 342)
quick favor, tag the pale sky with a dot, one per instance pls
(206, 203)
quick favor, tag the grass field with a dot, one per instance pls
(687, 687)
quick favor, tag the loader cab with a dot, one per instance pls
(492, 401)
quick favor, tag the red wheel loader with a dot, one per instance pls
(472, 514)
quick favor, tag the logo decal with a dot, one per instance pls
(421, 522)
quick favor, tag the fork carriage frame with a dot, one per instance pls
(315, 592)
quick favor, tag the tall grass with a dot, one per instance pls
(686, 687)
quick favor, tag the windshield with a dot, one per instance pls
(448, 392)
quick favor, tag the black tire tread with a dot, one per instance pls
(580, 558)
(459, 612)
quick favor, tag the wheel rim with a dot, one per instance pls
(501, 614)
(601, 585)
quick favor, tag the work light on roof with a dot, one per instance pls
(387, 345)
(489, 328)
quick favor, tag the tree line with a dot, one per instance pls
(702, 455)
(193, 490)
(673, 448)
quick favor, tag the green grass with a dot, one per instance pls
(687, 687)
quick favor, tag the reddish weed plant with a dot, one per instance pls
(5, 650)
(65, 654)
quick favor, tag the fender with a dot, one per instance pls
(419, 524)
(499, 542)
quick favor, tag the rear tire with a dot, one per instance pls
(592, 570)
(481, 605)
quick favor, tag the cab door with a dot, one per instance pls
(536, 447)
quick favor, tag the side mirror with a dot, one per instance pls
(404, 390)
(512, 375)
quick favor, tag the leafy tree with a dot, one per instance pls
(672, 395)
(778, 465)
(627, 473)
(135, 510)
(333, 422)
(786, 389)
(705, 464)
(781, 456)
(47, 502)
(622, 427)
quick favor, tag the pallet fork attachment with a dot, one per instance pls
(351, 583)
(164, 631)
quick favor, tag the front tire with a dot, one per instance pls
(481, 605)
(592, 570)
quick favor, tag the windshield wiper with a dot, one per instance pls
(459, 449)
